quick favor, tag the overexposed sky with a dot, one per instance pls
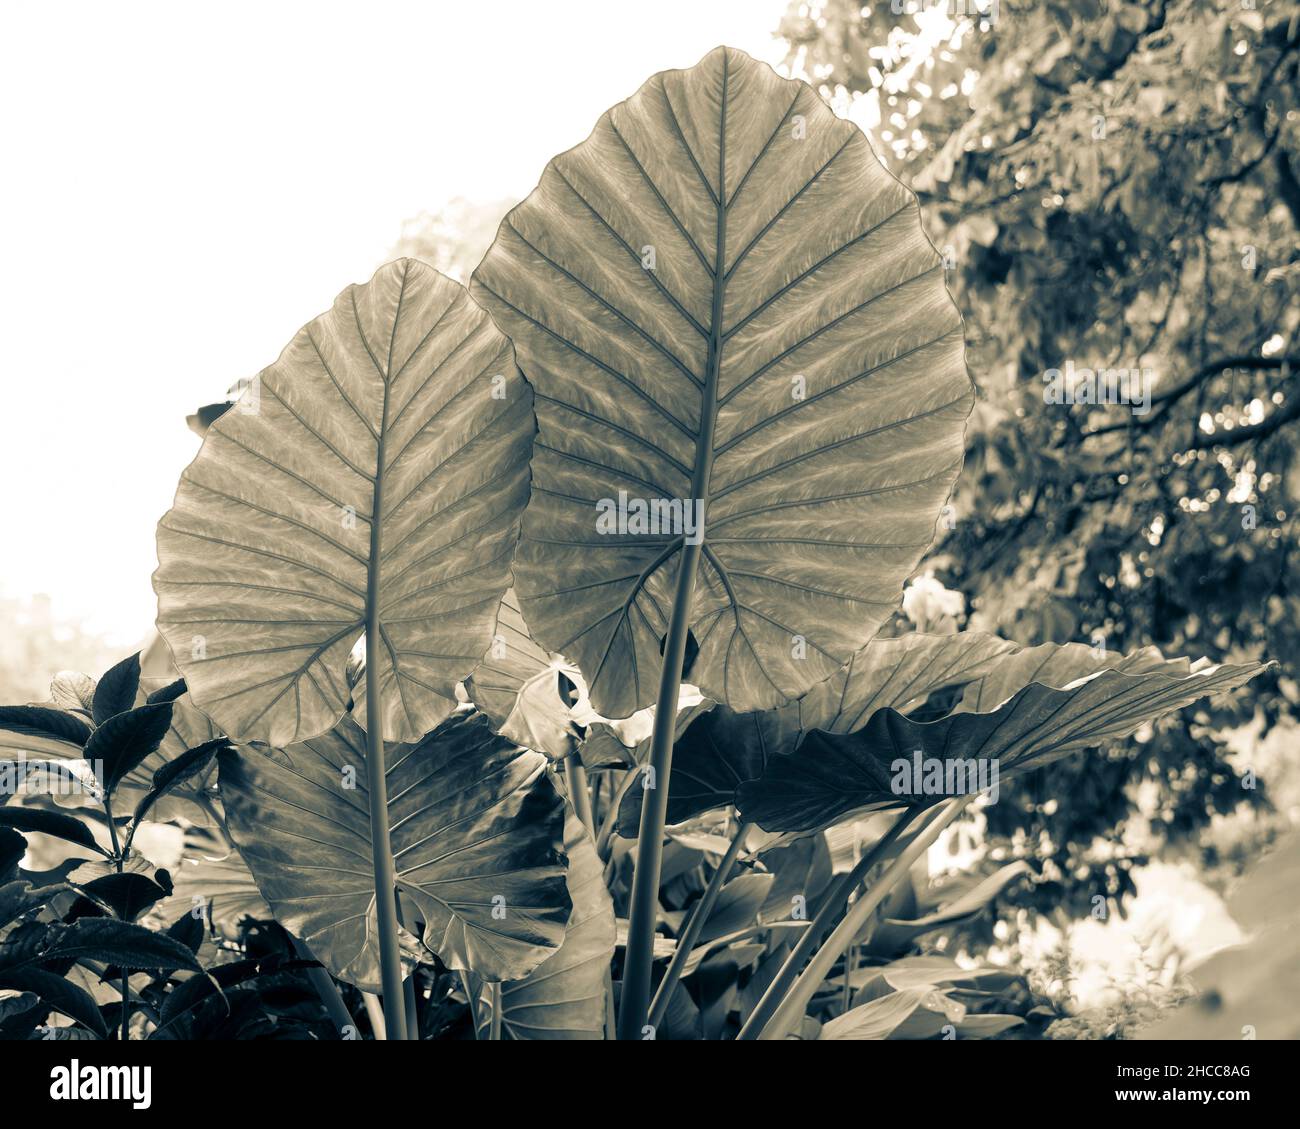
(186, 184)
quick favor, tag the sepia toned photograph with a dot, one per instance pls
(743, 520)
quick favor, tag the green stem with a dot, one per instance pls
(325, 987)
(792, 1008)
(118, 860)
(575, 773)
(610, 822)
(634, 1006)
(694, 926)
(831, 908)
(494, 1035)
(390, 956)
(375, 1010)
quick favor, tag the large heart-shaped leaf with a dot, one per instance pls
(718, 751)
(381, 465)
(213, 882)
(477, 830)
(723, 299)
(832, 775)
(721, 749)
(564, 996)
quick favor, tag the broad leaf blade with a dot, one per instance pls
(564, 997)
(476, 823)
(831, 775)
(404, 399)
(722, 296)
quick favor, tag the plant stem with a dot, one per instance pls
(390, 957)
(494, 1034)
(575, 773)
(635, 1003)
(325, 987)
(694, 926)
(118, 860)
(375, 1010)
(610, 822)
(791, 1009)
(831, 908)
(381, 847)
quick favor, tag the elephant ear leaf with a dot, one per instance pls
(721, 749)
(378, 468)
(564, 997)
(519, 687)
(477, 831)
(899, 674)
(728, 306)
(833, 775)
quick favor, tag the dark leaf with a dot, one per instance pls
(168, 693)
(127, 895)
(50, 823)
(174, 773)
(117, 942)
(43, 725)
(125, 739)
(117, 689)
(60, 994)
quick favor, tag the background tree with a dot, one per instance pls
(1113, 185)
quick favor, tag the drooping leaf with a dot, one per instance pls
(878, 1019)
(894, 934)
(831, 775)
(737, 907)
(518, 687)
(899, 674)
(19, 897)
(477, 835)
(564, 997)
(39, 729)
(190, 728)
(127, 895)
(191, 763)
(722, 296)
(386, 451)
(60, 994)
(115, 692)
(114, 942)
(126, 739)
(720, 749)
(61, 826)
(717, 751)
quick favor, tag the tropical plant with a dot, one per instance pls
(515, 653)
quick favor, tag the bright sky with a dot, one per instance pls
(185, 186)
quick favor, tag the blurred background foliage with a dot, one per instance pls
(1113, 185)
